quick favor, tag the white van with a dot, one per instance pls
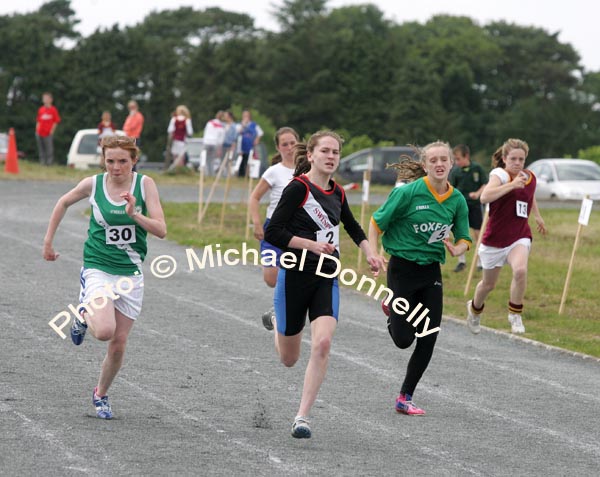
(84, 152)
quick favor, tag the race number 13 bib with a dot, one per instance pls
(521, 209)
(331, 236)
(120, 234)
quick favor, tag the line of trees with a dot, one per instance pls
(347, 68)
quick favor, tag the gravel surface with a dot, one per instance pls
(202, 392)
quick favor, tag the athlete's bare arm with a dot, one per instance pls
(79, 192)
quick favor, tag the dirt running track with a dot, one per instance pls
(202, 392)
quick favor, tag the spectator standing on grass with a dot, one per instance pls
(416, 221)
(106, 127)
(232, 131)
(180, 128)
(214, 135)
(307, 221)
(45, 126)
(125, 207)
(507, 237)
(250, 138)
(134, 123)
(470, 179)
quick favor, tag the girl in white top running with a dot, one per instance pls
(275, 179)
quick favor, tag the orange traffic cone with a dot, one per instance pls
(11, 164)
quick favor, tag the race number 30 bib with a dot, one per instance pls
(120, 234)
(331, 236)
(521, 209)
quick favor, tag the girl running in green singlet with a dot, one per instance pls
(124, 206)
(416, 221)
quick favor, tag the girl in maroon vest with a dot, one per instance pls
(507, 238)
(180, 128)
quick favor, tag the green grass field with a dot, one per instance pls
(577, 329)
(29, 170)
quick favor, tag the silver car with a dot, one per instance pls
(194, 147)
(566, 179)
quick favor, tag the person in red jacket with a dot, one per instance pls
(46, 121)
(134, 123)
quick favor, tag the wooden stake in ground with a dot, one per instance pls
(212, 189)
(365, 200)
(486, 216)
(584, 218)
(226, 193)
(201, 184)
(253, 173)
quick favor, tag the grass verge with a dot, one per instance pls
(29, 170)
(577, 329)
(32, 171)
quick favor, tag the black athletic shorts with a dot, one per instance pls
(475, 215)
(297, 293)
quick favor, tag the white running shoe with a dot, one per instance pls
(473, 319)
(301, 429)
(516, 323)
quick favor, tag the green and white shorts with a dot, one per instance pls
(125, 291)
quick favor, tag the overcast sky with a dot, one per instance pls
(576, 20)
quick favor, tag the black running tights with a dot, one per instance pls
(417, 284)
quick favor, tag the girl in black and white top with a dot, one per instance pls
(306, 224)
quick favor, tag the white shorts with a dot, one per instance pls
(492, 257)
(177, 148)
(125, 291)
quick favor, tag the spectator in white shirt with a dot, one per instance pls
(214, 134)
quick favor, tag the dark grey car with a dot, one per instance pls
(352, 167)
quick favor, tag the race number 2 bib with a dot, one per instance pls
(331, 236)
(521, 209)
(120, 234)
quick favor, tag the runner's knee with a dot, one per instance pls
(401, 338)
(520, 272)
(116, 349)
(104, 333)
(289, 360)
(322, 346)
(487, 286)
